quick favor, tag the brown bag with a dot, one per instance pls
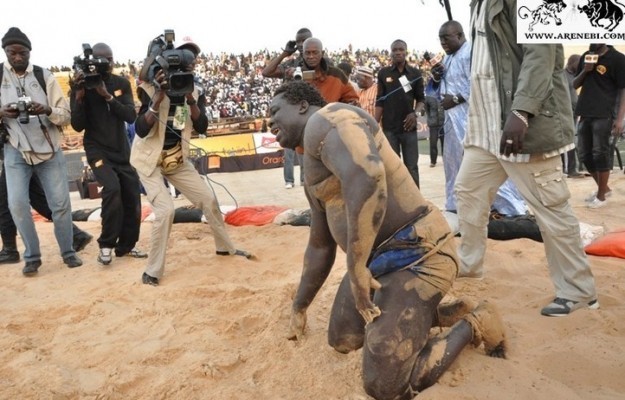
(171, 158)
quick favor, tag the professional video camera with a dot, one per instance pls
(92, 67)
(174, 62)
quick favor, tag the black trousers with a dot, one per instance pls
(436, 134)
(38, 201)
(121, 205)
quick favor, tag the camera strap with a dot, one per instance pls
(40, 156)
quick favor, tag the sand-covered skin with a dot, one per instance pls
(216, 327)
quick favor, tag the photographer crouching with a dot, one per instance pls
(171, 108)
(101, 105)
(33, 106)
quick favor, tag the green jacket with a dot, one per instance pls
(530, 78)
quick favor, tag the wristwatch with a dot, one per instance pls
(455, 99)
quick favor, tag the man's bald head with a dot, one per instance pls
(313, 52)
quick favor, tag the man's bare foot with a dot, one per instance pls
(297, 325)
(488, 328)
(453, 311)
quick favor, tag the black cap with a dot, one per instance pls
(15, 36)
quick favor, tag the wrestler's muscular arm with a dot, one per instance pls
(351, 155)
(318, 261)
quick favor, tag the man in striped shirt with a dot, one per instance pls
(368, 90)
(520, 121)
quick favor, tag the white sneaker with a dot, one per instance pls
(288, 185)
(105, 256)
(596, 203)
(593, 195)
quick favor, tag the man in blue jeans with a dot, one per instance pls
(8, 231)
(289, 166)
(32, 116)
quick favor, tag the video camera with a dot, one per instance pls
(92, 67)
(174, 62)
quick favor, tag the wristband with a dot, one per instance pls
(109, 99)
(153, 111)
(521, 117)
(192, 102)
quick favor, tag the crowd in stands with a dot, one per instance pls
(235, 87)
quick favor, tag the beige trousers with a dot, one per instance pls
(187, 180)
(542, 185)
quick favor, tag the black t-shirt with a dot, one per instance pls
(398, 103)
(600, 89)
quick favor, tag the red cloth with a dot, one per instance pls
(256, 215)
(611, 244)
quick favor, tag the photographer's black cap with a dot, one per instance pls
(15, 36)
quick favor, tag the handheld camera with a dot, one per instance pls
(23, 106)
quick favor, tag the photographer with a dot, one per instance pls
(161, 149)
(101, 104)
(278, 68)
(31, 114)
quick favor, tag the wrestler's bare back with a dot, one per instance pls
(352, 132)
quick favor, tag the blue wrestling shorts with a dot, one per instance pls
(400, 251)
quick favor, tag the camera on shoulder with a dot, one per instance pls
(93, 68)
(173, 62)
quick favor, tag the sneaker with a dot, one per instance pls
(432, 165)
(72, 261)
(288, 185)
(105, 256)
(149, 280)
(134, 253)
(560, 307)
(596, 203)
(237, 252)
(31, 268)
(9, 256)
(575, 175)
(593, 195)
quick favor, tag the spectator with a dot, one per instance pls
(436, 121)
(368, 89)
(400, 99)
(602, 81)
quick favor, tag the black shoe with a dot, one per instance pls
(149, 280)
(31, 268)
(72, 261)
(81, 240)
(241, 253)
(9, 256)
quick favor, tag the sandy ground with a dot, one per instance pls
(215, 328)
